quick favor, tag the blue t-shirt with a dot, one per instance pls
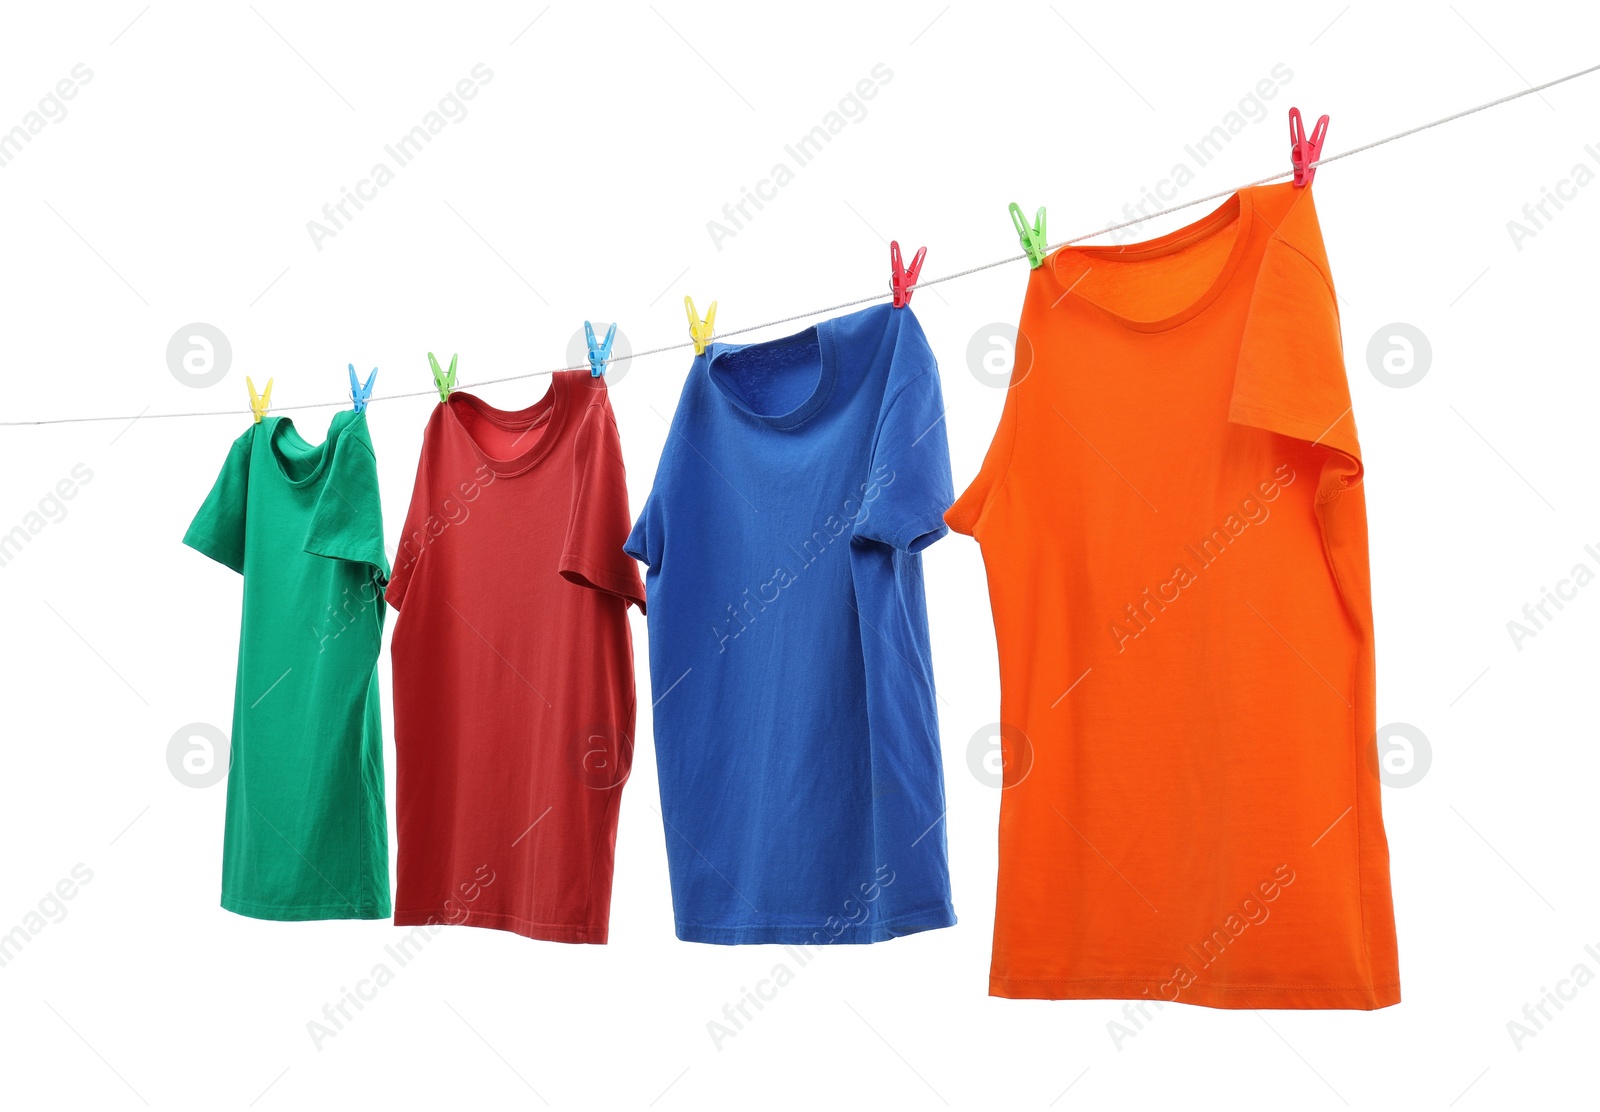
(797, 738)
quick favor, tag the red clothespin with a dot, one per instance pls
(1303, 152)
(902, 280)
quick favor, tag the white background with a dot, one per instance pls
(177, 189)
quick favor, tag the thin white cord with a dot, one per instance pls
(1219, 195)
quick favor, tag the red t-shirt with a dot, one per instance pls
(513, 666)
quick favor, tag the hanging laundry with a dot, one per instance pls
(513, 665)
(796, 731)
(1174, 527)
(306, 834)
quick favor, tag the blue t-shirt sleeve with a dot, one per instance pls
(638, 544)
(909, 487)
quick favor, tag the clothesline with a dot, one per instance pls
(829, 309)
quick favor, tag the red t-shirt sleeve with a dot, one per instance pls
(598, 524)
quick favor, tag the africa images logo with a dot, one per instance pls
(1537, 615)
(1138, 616)
(738, 617)
(851, 109)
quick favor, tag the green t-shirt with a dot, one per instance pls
(307, 836)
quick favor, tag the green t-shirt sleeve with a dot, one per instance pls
(218, 529)
(347, 521)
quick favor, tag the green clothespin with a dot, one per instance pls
(445, 382)
(1032, 239)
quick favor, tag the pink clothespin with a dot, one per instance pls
(1303, 152)
(902, 280)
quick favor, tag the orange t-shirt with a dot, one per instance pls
(1174, 532)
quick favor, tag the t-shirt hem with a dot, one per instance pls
(588, 574)
(1245, 411)
(797, 934)
(494, 920)
(302, 912)
(378, 564)
(1259, 997)
(919, 533)
(223, 554)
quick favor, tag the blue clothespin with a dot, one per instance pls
(361, 395)
(599, 354)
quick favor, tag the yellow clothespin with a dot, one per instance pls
(700, 330)
(259, 402)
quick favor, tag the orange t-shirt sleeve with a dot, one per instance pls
(1291, 380)
(1291, 377)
